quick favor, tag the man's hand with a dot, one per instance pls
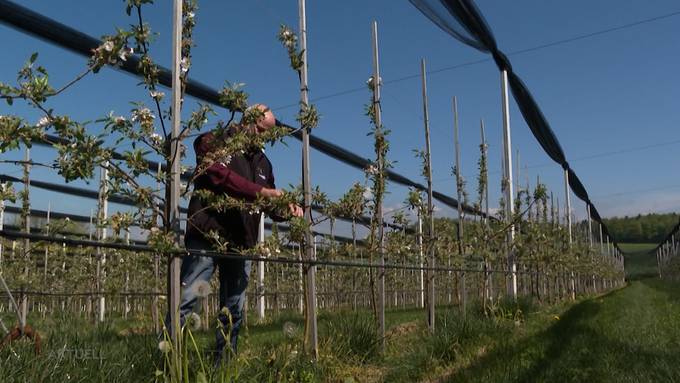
(271, 193)
(295, 210)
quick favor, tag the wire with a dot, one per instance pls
(512, 53)
(588, 157)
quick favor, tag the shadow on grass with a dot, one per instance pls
(572, 349)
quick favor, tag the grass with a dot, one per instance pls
(629, 335)
(640, 260)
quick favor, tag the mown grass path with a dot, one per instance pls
(629, 335)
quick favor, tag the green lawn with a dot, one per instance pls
(628, 335)
(640, 260)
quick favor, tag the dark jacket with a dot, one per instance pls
(241, 176)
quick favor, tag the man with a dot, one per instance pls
(244, 175)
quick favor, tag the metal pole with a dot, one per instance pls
(260, 274)
(26, 207)
(47, 232)
(156, 261)
(2, 222)
(420, 257)
(567, 195)
(381, 231)
(126, 306)
(459, 193)
(430, 245)
(509, 193)
(311, 338)
(174, 187)
(102, 214)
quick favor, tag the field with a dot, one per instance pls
(629, 335)
(511, 292)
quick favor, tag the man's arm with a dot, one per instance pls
(223, 179)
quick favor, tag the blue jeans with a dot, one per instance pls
(233, 276)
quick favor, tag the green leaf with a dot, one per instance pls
(34, 57)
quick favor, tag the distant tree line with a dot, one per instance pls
(649, 228)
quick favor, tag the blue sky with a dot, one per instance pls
(615, 92)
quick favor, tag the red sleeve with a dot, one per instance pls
(226, 180)
(220, 177)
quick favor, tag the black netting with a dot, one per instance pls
(463, 21)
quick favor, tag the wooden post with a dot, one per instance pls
(488, 277)
(311, 336)
(431, 300)
(47, 245)
(567, 196)
(102, 214)
(26, 216)
(459, 193)
(126, 307)
(155, 317)
(509, 194)
(379, 214)
(260, 274)
(173, 164)
(421, 258)
(2, 224)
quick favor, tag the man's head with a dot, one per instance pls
(264, 122)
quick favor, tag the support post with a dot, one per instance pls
(174, 265)
(47, 245)
(420, 258)
(567, 196)
(459, 194)
(102, 214)
(260, 274)
(379, 214)
(509, 193)
(430, 246)
(26, 217)
(311, 335)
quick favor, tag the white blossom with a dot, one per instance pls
(184, 64)
(370, 81)
(371, 170)
(194, 322)
(157, 95)
(142, 114)
(43, 122)
(155, 138)
(164, 346)
(108, 45)
(124, 53)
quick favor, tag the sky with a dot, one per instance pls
(611, 98)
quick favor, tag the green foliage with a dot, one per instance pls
(352, 337)
(648, 228)
(457, 335)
